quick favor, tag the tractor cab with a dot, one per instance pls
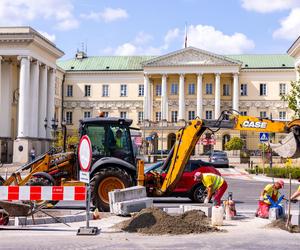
(110, 137)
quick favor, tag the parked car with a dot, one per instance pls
(187, 186)
(219, 159)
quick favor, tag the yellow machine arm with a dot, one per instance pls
(187, 137)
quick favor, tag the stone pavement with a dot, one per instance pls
(244, 233)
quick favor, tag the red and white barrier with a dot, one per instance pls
(54, 193)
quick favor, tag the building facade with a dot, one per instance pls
(159, 93)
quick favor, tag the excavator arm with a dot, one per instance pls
(188, 136)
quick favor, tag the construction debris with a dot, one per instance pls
(154, 221)
(281, 223)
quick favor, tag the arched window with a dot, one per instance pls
(225, 139)
(171, 140)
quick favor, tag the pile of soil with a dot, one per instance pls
(281, 224)
(155, 221)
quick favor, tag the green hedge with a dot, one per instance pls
(278, 172)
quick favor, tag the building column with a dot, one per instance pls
(5, 98)
(24, 99)
(43, 101)
(35, 71)
(199, 96)
(164, 98)
(181, 111)
(146, 97)
(217, 95)
(235, 96)
(51, 100)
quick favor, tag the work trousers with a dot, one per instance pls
(219, 193)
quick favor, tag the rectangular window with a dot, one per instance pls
(282, 89)
(174, 115)
(87, 90)
(141, 90)
(87, 114)
(191, 115)
(262, 89)
(157, 116)
(244, 113)
(263, 114)
(208, 114)
(140, 116)
(69, 117)
(158, 90)
(123, 90)
(69, 90)
(191, 89)
(105, 90)
(174, 89)
(105, 113)
(208, 88)
(226, 90)
(123, 114)
(282, 115)
(244, 91)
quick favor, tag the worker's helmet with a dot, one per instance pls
(197, 175)
(281, 183)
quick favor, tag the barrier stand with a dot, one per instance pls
(85, 159)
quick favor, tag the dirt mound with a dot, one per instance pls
(281, 224)
(156, 221)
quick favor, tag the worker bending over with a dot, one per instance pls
(215, 185)
(271, 190)
(296, 196)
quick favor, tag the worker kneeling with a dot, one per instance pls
(269, 197)
(215, 186)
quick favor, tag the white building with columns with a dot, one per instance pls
(27, 92)
(159, 93)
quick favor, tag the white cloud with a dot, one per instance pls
(266, 6)
(142, 38)
(108, 15)
(126, 49)
(20, 12)
(48, 36)
(208, 38)
(203, 37)
(171, 36)
(289, 26)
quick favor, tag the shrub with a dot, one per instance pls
(278, 172)
(235, 143)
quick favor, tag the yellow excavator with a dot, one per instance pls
(188, 136)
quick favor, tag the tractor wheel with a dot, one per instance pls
(4, 218)
(106, 180)
(40, 181)
(198, 194)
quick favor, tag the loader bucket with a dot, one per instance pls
(288, 147)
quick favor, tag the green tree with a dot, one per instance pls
(235, 143)
(293, 98)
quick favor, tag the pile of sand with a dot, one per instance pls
(156, 221)
(281, 224)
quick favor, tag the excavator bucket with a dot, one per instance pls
(289, 147)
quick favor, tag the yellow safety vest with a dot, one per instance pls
(212, 180)
(272, 192)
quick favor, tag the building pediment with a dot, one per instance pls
(191, 56)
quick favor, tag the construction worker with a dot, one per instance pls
(215, 186)
(296, 196)
(118, 139)
(272, 191)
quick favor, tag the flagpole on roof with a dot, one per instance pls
(185, 39)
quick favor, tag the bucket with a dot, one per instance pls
(217, 216)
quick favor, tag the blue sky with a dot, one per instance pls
(140, 27)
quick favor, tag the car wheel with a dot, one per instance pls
(198, 194)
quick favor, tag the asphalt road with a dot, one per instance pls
(245, 194)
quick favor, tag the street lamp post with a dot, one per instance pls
(64, 129)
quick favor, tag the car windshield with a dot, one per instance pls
(157, 167)
(220, 154)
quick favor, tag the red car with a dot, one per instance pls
(186, 187)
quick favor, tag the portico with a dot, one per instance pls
(27, 90)
(199, 76)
